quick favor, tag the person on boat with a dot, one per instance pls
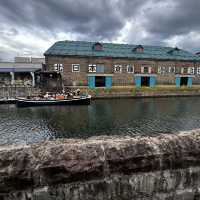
(60, 97)
(78, 92)
(46, 96)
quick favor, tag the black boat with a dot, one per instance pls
(82, 100)
(7, 101)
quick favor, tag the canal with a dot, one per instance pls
(103, 117)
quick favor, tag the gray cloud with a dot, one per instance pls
(32, 25)
(94, 18)
(177, 18)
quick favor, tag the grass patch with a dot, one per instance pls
(108, 90)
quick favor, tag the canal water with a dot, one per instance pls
(103, 117)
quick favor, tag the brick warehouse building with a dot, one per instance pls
(95, 64)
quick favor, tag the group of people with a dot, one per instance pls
(63, 95)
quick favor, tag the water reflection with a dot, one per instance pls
(102, 117)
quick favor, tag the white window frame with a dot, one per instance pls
(61, 68)
(58, 67)
(127, 67)
(165, 70)
(183, 69)
(55, 67)
(148, 71)
(190, 70)
(75, 65)
(170, 70)
(92, 68)
(198, 70)
(159, 70)
(120, 68)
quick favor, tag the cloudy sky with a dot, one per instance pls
(29, 27)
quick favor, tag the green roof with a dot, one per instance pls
(82, 48)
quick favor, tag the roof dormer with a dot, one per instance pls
(176, 49)
(198, 53)
(138, 49)
(97, 46)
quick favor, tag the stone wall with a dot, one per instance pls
(179, 184)
(133, 92)
(102, 166)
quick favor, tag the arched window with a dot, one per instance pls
(118, 68)
(130, 69)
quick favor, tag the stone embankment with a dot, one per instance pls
(133, 92)
(70, 161)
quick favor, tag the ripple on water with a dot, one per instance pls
(103, 117)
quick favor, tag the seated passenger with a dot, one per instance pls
(46, 96)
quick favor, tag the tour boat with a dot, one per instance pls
(81, 100)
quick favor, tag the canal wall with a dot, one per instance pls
(13, 92)
(133, 92)
(115, 92)
(103, 168)
(181, 184)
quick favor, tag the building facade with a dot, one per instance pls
(21, 72)
(95, 64)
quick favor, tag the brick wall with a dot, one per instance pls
(80, 78)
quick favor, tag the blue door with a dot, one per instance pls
(91, 82)
(152, 81)
(189, 84)
(178, 81)
(108, 81)
(138, 81)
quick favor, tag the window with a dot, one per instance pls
(58, 67)
(55, 67)
(198, 70)
(172, 69)
(61, 68)
(191, 70)
(184, 70)
(75, 68)
(159, 70)
(100, 68)
(130, 69)
(162, 70)
(118, 69)
(145, 70)
(92, 68)
(166, 70)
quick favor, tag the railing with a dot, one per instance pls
(17, 91)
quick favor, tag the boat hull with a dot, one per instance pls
(29, 102)
(8, 101)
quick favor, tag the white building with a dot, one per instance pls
(21, 72)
